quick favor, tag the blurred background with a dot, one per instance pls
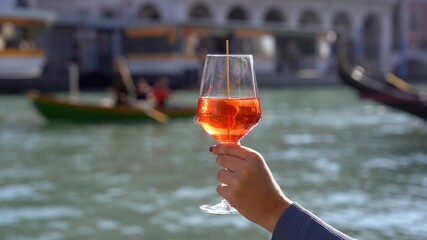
(358, 162)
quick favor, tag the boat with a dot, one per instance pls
(21, 56)
(55, 108)
(387, 89)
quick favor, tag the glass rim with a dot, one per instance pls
(229, 55)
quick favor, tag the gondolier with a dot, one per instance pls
(121, 91)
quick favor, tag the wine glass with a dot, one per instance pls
(229, 106)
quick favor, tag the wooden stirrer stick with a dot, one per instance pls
(227, 68)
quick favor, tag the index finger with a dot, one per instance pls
(234, 150)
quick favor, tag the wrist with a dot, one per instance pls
(274, 215)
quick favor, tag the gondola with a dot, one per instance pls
(386, 89)
(55, 108)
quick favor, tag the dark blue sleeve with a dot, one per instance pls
(297, 223)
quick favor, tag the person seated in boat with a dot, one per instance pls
(161, 92)
(120, 89)
(143, 90)
(144, 93)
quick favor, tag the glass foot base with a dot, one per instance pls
(220, 208)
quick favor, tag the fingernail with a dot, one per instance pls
(211, 148)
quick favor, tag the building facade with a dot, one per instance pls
(368, 24)
(410, 44)
(384, 35)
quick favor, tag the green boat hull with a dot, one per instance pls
(61, 109)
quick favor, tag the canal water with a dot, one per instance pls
(359, 166)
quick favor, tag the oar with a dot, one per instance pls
(130, 86)
(397, 82)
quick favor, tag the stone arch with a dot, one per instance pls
(309, 18)
(371, 37)
(200, 11)
(149, 12)
(342, 23)
(237, 13)
(274, 15)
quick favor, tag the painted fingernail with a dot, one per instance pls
(211, 148)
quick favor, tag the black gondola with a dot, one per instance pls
(388, 89)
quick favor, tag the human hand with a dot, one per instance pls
(248, 185)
